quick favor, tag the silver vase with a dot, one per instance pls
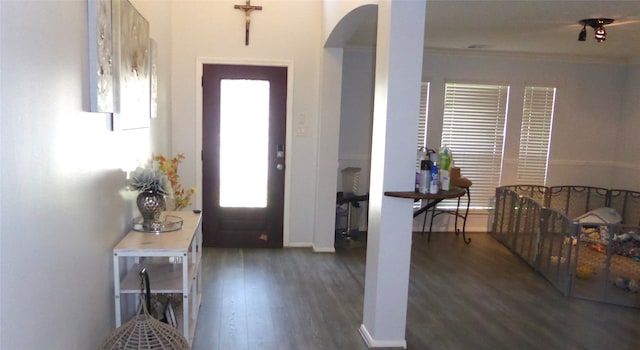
(150, 204)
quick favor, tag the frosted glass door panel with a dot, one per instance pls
(244, 139)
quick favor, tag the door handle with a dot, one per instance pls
(280, 151)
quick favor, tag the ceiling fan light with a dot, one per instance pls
(601, 34)
(598, 26)
(583, 34)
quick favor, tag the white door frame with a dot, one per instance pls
(200, 62)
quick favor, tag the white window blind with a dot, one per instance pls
(473, 127)
(422, 118)
(424, 112)
(535, 134)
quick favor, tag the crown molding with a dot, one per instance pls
(531, 56)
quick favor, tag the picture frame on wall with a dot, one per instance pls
(133, 72)
(101, 56)
(153, 47)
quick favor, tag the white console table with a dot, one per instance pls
(172, 260)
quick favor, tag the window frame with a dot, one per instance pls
(536, 128)
(473, 114)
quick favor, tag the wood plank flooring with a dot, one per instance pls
(477, 296)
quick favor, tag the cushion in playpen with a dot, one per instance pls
(602, 215)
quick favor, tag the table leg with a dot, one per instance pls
(464, 220)
(424, 221)
(433, 213)
(431, 204)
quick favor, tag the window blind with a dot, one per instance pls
(474, 127)
(422, 118)
(535, 134)
(424, 112)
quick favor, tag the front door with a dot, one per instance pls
(244, 124)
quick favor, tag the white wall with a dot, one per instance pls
(284, 31)
(588, 108)
(356, 113)
(627, 155)
(334, 11)
(158, 13)
(338, 27)
(64, 203)
(595, 122)
(356, 117)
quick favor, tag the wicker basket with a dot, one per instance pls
(145, 332)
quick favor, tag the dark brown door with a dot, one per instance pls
(244, 124)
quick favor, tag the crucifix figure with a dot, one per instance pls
(247, 8)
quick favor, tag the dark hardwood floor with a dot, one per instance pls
(477, 296)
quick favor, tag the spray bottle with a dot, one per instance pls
(433, 178)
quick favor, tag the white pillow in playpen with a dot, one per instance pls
(602, 215)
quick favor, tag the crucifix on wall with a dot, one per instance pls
(247, 8)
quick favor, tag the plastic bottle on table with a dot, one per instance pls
(434, 179)
(424, 176)
(445, 165)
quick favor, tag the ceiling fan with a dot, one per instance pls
(597, 24)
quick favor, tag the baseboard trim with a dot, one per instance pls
(324, 249)
(372, 343)
(312, 246)
(299, 245)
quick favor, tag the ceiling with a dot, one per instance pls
(533, 27)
